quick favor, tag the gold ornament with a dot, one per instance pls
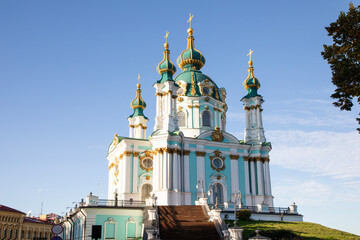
(217, 135)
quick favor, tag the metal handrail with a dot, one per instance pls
(121, 203)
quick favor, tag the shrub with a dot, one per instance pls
(243, 215)
(280, 234)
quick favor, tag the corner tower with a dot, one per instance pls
(166, 88)
(254, 131)
(137, 120)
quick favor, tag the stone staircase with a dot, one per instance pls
(185, 222)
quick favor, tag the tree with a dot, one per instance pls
(344, 58)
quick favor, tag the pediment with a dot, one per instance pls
(227, 137)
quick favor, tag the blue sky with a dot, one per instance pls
(69, 71)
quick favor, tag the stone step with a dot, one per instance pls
(185, 222)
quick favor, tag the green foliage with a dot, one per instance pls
(344, 58)
(243, 215)
(281, 234)
(303, 230)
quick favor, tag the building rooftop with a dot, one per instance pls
(9, 209)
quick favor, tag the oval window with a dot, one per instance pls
(217, 162)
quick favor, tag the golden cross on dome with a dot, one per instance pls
(167, 35)
(190, 18)
(250, 53)
(138, 78)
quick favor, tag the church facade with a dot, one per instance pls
(189, 152)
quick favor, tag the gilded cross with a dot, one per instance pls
(190, 18)
(166, 36)
(139, 78)
(250, 53)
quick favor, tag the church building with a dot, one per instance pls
(189, 171)
(189, 144)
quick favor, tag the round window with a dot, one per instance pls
(217, 162)
(206, 90)
(148, 163)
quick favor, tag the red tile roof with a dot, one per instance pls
(35, 220)
(9, 209)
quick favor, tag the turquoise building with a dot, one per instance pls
(189, 153)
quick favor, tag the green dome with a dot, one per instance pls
(166, 68)
(138, 104)
(251, 83)
(194, 79)
(190, 57)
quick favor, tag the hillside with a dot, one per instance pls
(298, 230)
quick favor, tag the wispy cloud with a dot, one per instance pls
(321, 192)
(304, 112)
(326, 153)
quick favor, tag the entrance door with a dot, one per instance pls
(146, 189)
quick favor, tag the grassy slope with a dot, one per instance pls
(306, 230)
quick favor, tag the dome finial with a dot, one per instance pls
(138, 85)
(190, 19)
(166, 45)
(249, 54)
(190, 30)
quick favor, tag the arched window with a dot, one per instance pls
(206, 119)
(181, 119)
(145, 191)
(218, 193)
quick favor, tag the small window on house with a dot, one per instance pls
(206, 119)
(181, 119)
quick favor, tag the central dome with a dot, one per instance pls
(195, 83)
(190, 57)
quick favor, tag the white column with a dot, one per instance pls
(169, 170)
(247, 180)
(161, 162)
(190, 118)
(135, 172)
(260, 177)
(260, 119)
(196, 117)
(234, 175)
(130, 131)
(200, 169)
(247, 118)
(258, 116)
(156, 166)
(175, 170)
(165, 172)
(187, 170)
(253, 181)
(126, 174)
(267, 178)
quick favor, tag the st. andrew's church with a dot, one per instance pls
(188, 159)
(189, 144)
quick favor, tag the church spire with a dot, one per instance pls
(138, 104)
(251, 83)
(137, 120)
(254, 131)
(166, 68)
